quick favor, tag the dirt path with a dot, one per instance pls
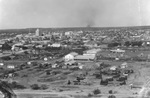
(67, 94)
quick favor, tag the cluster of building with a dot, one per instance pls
(88, 56)
(92, 40)
(87, 38)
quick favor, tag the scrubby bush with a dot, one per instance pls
(90, 95)
(110, 91)
(112, 96)
(115, 92)
(74, 68)
(48, 72)
(44, 87)
(66, 73)
(35, 87)
(15, 85)
(96, 91)
(6, 58)
(56, 72)
(60, 90)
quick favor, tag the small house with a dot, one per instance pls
(10, 66)
(91, 44)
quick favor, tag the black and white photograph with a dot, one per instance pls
(74, 48)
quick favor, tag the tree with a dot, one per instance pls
(35, 87)
(6, 46)
(44, 87)
(110, 91)
(127, 43)
(112, 96)
(96, 91)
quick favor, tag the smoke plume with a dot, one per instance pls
(88, 15)
(72, 13)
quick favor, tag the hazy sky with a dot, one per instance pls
(73, 13)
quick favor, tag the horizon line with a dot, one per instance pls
(76, 27)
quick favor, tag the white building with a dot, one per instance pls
(89, 55)
(1, 64)
(118, 51)
(10, 66)
(92, 51)
(124, 65)
(70, 56)
(37, 32)
(113, 68)
(68, 33)
(56, 45)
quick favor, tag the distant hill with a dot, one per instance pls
(32, 30)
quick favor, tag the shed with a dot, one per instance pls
(11, 66)
(113, 68)
(124, 65)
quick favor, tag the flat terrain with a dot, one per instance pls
(58, 83)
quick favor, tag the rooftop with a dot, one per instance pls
(93, 51)
(85, 57)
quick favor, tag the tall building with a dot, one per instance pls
(37, 32)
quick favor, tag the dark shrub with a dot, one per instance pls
(6, 58)
(44, 87)
(96, 91)
(110, 91)
(66, 73)
(61, 90)
(15, 85)
(90, 95)
(35, 87)
(56, 72)
(112, 96)
(74, 68)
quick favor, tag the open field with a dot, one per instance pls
(60, 86)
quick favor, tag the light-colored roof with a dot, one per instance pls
(86, 57)
(125, 63)
(56, 45)
(138, 84)
(89, 54)
(117, 50)
(70, 62)
(113, 68)
(93, 51)
(74, 53)
(18, 44)
(92, 66)
(90, 43)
